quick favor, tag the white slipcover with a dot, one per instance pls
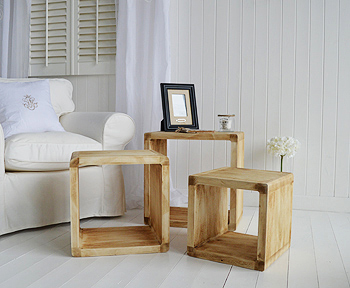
(37, 198)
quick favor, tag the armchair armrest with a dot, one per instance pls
(113, 130)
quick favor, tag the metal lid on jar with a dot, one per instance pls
(221, 115)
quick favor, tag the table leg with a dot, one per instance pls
(158, 145)
(236, 195)
(159, 204)
(74, 211)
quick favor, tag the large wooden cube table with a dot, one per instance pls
(123, 240)
(157, 141)
(208, 235)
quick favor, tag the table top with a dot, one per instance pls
(241, 178)
(200, 135)
(117, 157)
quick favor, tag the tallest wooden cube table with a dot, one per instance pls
(157, 141)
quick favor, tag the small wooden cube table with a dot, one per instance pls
(151, 238)
(208, 236)
(157, 141)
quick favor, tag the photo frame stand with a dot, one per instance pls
(179, 107)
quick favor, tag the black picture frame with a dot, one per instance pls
(179, 106)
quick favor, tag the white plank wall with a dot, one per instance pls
(93, 93)
(282, 66)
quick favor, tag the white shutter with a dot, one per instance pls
(76, 37)
(96, 37)
(49, 38)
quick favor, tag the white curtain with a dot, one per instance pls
(14, 38)
(143, 62)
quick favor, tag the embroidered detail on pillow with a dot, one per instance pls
(29, 103)
(25, 107)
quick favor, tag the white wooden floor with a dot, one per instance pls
(319, 257)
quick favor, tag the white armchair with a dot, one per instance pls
(34, 167)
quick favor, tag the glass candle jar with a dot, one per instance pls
(226, 123)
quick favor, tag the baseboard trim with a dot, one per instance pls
(330, 204)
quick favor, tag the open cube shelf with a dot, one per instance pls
(123, 240)
(208, 235)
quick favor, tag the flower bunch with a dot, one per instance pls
(283, 146)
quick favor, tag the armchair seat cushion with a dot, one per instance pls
(48, 151)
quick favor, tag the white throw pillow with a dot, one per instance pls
(25, 107)
(61, 92)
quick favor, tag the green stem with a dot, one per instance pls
(282, 163)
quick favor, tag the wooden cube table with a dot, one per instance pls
(208, 236)
(157, 141)
(123, 240)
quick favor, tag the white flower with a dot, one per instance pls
(283, 146)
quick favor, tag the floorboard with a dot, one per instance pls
(302, 251)
(341, 228)
(319, 257)
(94, 272)
(125, 271)
(158, 269)
(27, 268)
(330, 268)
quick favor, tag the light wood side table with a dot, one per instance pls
(157, 141)
(151, 238)
(207, 233)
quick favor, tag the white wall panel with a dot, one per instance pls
(273, 76)
(93, 93)
(196, 52)
(283, 68)
(221, 77)
(330, 98)
(93, 89)
(316, 94)
(248, 66)
(342, 171)
(288, 66)
(104, 89)
(82, 92)
(301, 93)
(260, 85)
(208, 78)
(234, 61)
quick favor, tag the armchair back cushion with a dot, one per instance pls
(61, 93)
